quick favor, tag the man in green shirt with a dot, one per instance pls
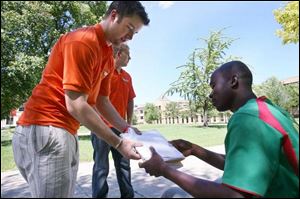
(262, 144)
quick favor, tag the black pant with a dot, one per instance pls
(101, 169)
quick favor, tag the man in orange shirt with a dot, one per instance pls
(121, 97)
(73, 90)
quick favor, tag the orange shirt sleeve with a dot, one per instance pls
(79, 60)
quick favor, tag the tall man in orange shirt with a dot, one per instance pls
(73, 90)
(121, 97)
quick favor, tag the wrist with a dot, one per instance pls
(125, 129)
(163, 169)
(193, 150)
(119, 143)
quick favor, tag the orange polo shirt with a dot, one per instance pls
(121, 92)
(80, 61)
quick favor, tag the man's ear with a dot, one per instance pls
(119, 53)
(234, 81)
(113, 14)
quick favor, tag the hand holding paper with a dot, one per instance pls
(153, 138)
(155, 165)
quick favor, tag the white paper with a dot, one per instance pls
(153, 138)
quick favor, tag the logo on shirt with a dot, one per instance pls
(105, 73)
(125, 80)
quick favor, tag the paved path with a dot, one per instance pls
(14, 186)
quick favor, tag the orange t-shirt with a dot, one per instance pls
(80, 61)
(121, 92)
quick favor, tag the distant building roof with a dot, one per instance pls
(162, 97)
(291, 80)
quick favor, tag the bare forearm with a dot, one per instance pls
(215, 159)
(87, 116)
(198, 187)
(130, 111)
(109, 112)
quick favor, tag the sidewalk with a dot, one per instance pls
(14, 186)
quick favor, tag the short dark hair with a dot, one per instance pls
(239, 68)
(128, 8)
(120, 48)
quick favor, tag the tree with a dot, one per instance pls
(172, 110)
(193, 82)
(293, 102)
(28, 31)
(288, 18)
(151, 113)
(285, 96)
(274, 90)
(134, 119)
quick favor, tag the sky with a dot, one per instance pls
(175, 30)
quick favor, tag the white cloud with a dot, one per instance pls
(165, 4)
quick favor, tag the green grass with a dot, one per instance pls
(6, 134)
(7, 158)
(208, 136)
(202, 136)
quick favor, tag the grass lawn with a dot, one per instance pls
(203, 136)
(209, 136)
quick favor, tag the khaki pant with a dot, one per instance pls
(48, 159)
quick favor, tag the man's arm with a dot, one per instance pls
(78, 107)
(187, 148)
(215, 159)
(130, 107)
(195, 186)
(198, 187)
(106, 109)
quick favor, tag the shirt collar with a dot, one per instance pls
(101, 36)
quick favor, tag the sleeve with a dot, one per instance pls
(78, 66)
(252, 154)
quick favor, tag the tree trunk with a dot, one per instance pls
(205, 120)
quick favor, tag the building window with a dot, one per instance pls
(9, 120)
(222, 117)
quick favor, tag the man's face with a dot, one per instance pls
(124, 57)
(221, 94)
(123, 30)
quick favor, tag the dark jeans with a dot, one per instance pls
(101, 169)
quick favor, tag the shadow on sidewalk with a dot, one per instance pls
(13, 184)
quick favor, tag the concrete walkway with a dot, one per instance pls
(14, 186)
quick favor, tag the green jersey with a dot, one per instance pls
(255, 162)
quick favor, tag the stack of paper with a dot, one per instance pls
(153, 138)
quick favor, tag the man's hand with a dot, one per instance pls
(185, 147)
(136, 130)
(127, 149)
(155, 165)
